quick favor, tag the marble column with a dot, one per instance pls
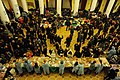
(109, 7)
(102, 6)
(73, 5)
(3, 15)
(24, 5)
(117, 6)
(41, 6)
(45, 3)
(76, 7)
(93, 6)
(88, 4)
(59, 3)
(15, 8)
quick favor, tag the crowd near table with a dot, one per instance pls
(69, 62)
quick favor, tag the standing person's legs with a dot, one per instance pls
(60, 72)
(88, 71)
(67, 28)
(107, 78)
(44, 71)
(68, 44)
(47, 71)
(89, 36)
(83, 40)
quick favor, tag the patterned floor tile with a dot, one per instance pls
(44, 78)
(80, 78)
(30, 78)
(67, 78)
(74, 78)
(95, 78)
(52, 78)
(59, 78)
(37, 78)
(101, 78)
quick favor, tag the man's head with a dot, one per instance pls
(94, 61)
(61, 62)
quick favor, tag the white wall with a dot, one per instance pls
(6, 4)
(19, 3)
(32, 1)
(88, 4)
(51, 3)
(66, 4)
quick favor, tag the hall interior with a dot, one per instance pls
(104, 6)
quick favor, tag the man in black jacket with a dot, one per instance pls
(77, 47)
(67, 23)
(59, 38)
(68, 40)
(77, 54)
(112, 73)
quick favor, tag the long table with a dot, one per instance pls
(69, 62)
(55, 61)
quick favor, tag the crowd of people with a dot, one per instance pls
(28, 32)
